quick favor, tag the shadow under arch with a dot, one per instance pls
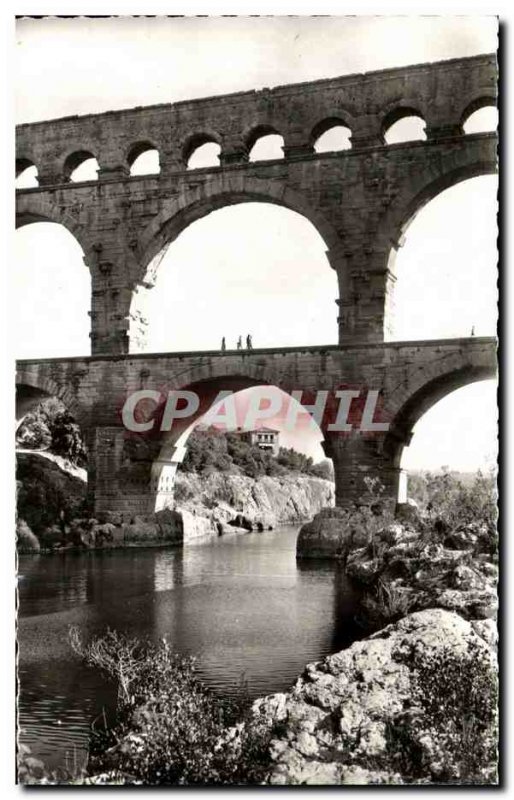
(178, 214)
(31, 390)
(422, 400)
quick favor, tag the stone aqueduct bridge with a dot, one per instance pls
(360, 200)
(128, 471)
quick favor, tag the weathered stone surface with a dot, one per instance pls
(405, 569)
(239, 502)
(329, 535)
(369, 714)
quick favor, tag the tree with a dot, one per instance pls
(51, 427)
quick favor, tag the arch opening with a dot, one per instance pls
(231, 436)
(403, 125)
(455, 432)
(80, 166)
(26, 174)
(247, 268)
(481, 120)
(265, 144)
(202, 151)
(51, 291)
(446, 267)
(143, 159)
(331, 135)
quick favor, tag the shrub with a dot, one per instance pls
(170, 729)
(454, 503)
(46, 495)
(211, 450)
(454, 700)
(51, 427)
(387, 604)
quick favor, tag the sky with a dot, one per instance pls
(255, 268)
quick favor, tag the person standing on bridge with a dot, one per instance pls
(223, 345)
(249, 343)
(240, 343)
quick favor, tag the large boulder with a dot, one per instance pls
(329, 535)
(412, 704)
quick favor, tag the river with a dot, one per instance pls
(240, 603)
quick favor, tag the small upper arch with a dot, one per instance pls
(403, 123)
(202, 149)
(143, 158)
(264, 142)
(331, 134)
(26, 173)
(80, 165)
(480, 115)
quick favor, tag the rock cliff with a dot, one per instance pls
(220, 502)
(52, 513)
(414, 703)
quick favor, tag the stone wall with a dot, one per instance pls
(360, 200)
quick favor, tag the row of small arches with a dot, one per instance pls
(331, 135)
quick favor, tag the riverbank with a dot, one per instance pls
(416, 701)
(240, 602)
(53, 514)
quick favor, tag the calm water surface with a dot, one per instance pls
(240, 603)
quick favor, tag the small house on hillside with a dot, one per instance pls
(265, 438)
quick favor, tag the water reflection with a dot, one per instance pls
(240, 603)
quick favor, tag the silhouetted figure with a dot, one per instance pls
(223, 345)
(240, 343)
(473, 330)
(249, 344)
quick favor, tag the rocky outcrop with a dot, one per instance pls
(52, 494)
(412, 704)
(328, 535)
(230, 502)
(407, 566)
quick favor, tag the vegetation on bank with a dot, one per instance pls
(51, 427)
(48, 498)
(169, 729)
(444, 553)
(446, 498)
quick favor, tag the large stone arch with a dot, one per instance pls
(33, 206)
(417, 194)
(150, 460)
(223, 190)
(472, 102)
(426, 188)
(431, 389)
